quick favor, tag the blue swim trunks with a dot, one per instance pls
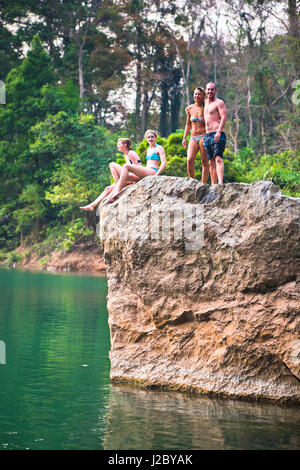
(214, 149)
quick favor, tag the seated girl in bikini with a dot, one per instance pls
(156, 163)
(195, 123)
(132, 158)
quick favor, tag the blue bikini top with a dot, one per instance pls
(153, 156)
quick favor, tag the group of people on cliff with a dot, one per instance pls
(206, 119)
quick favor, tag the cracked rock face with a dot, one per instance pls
(203, 293)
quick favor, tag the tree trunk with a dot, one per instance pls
(294, 33)
(138, 97)
(175, 99)
(237, 127)
(187, 75)
(263, 133)
(164, 106)
(249, 112)
(215, 64)
(80, 72)
(144, 111)
(294, 23)
(185, 71)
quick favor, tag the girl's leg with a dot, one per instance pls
(138, 170)
(191, 155)
(132, 179)
(204, 160)
(90, 207)
(115, 170)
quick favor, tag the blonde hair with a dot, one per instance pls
(127, 142)
(204, 95)
(150, 130)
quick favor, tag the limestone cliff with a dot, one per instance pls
(202, 287)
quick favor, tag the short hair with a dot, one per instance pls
(211, 83)
(150, 130)
(127, 142)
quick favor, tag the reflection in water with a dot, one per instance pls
(56, 377)
(55, 391)
(156, 420)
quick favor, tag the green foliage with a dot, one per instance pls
(11, 259)
(83, 151)
(31, 95)
(31, 211)
(54, 158)
(77, 232)
(176, 156)
(282, 169)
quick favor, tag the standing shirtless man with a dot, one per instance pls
(215, 139)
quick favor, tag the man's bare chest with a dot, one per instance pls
(211, 110)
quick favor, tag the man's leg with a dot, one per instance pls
(220, 169)
(209, 147)
(205, 164)
(213, 171)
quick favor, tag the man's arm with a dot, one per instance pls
(223, 115)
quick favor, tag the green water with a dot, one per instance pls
(55, 391)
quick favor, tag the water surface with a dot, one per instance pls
(55, 391)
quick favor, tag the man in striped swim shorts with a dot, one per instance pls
(215, 116)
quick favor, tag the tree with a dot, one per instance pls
(82, 150)
(30, 97)
(29, 216)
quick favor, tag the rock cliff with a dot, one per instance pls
(202, 287)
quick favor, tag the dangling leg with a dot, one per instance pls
(106, 192)
(90, 207)
(138, 170)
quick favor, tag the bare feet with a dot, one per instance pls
(113, 197)
(89, 207)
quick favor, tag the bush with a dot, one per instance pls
(77, 232)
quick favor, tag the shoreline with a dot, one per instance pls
(81, 261)
(33, 269)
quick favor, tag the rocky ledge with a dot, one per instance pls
(203, 292)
